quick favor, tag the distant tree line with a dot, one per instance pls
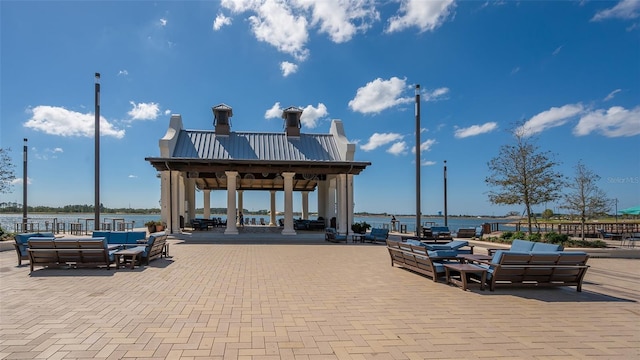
(8, 208)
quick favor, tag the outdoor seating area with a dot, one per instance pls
(468, 233)
(436, 233)
(330, 234)
(527, 263)
(104, 248)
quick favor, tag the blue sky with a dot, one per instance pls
(571, 69)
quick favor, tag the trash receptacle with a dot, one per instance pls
(486, 228)
(181, 222)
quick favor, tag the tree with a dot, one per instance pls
(586, 199)
(547, 214)
(523, 175)
(6, 171)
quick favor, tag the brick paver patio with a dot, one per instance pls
(306, 299)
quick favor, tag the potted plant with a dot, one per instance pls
(159, 226)
(360, 228)
(151, 226)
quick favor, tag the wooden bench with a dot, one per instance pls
(563, 268)
(48, 252)
(415, 258)
(466, 233)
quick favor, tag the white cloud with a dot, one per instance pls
(515, 70)
(276, 24)
(614, 122)
(163, 22)
(274, 113)
(557, 50)
(57, 150)
(625, 9)
(436, 95)
(144, 111)
(311, 115)
(220, 21)
(123, 73)
(425, 146)
(60, 121)
(167, 112)
(425, 15)
(376, 140)
(428, 163)
(132, 176)
(549, 119)
(379, 95)
(475, 130)
(18, 181)
(612, 94)
(336, 17)
(288, 68)
(398, 148)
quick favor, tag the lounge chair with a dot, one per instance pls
(330, 234)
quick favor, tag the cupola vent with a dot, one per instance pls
(221, 119)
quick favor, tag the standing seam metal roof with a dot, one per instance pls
(203, 144)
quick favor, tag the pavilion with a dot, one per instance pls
(235, 162)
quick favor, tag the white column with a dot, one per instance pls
(322, 200)
(343, 227)
(305, 205)
(206, 194)
(169, 212)
(349, 200)
(288, 204)
(231, 203)
(182, 210)
(240, 206)
(272, 215)
(332, 199)
(190, 194)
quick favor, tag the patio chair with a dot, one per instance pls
(330, 234)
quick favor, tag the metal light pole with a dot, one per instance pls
(24, 186)
(418, 213)
(96, 220)
(445, 193)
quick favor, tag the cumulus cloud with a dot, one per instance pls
(311, 115)
(132, 176)
(428, 163)
(288, 68)
(475, 130)
(612, 94)
(274, 112)
(167, 112)
(54, 120)
(425, 15)
(437, 94)
(376, 140)
(379, 95)
(398, 148)
(18, 181)
(614, 122)
(625, 9)
(340, 19)
(425, 146)
(144, 111)
(557, 50)
(163, 22)
(123, 73)
(556, 116)
(220, 21)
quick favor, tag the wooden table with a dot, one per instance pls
(470, 258)
(465, 270)
(127, 255)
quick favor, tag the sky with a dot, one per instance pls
(568, 71)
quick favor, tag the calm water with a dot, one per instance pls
(44, 222)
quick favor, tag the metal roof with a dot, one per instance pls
(206, 145)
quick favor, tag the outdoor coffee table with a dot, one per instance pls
(465, 270)
(357, 238)
(127, 255)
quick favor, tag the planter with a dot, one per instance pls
(151, 228)
(159, 228)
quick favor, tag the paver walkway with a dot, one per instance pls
(306, 300)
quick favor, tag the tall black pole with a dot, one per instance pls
(418, 213)
(445, 193)
(96, 220)
(24, 186)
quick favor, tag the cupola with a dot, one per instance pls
(221, 122)
(291, 116)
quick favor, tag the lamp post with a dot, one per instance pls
(96, 221)
(418, 214)
(616, 209)
(24, 186)
(445, 193)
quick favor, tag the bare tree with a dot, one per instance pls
(523, 175)
(7, 174)
(586, 199)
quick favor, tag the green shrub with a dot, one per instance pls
(534, 237)
(555, 238)
(507, 235)
(518, 235)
